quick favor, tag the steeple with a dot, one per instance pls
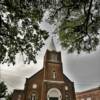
(51, 45)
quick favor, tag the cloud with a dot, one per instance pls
(83, 69)
(15, 76)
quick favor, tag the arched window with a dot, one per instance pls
(89, 98)
(33, 97)
(54, 75)
(53, 57)
(19, 97)
(82, 99)
(68, 97)
(54, 94)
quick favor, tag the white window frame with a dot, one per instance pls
(19, 97)
(88, 98)
(82, 99)
(54, 74)
(67, 97)
(33, 97)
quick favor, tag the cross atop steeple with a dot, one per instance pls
(51, 45)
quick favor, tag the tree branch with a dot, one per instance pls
(10, 36)
(87, 17)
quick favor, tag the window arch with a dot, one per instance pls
(68, 97)
(19, 97)
(33, 96)
(54, 93)
(54, 74)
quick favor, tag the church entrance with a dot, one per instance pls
(53, 98)
(54, 94)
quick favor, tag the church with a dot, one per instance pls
(49, 83)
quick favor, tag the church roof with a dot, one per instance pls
(51, 45)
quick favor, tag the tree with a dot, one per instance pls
(20, 31)
(9, 97)
(78, 24)
(3, 90)
(77, 21)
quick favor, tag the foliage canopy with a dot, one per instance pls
(20, 31)
(78, 24)
(9, 97)
(3, 89)
(77, 21)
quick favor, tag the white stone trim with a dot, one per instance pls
(51, 81)
(54, 92)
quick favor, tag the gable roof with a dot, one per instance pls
(36, 74)
(66, 78)
(18, 91)
(90, 90)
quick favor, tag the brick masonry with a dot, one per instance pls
(44, 81)
(92, 94)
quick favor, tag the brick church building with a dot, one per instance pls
(49, 83)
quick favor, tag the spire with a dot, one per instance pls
(51, 45)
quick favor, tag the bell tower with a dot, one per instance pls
(49, 83)
(52, 64)
(55, 85)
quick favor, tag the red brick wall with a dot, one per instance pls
(44, 80)
(53, 65)
(36, 79)
(16, 94)
(94, 94)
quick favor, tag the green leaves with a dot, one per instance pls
(78, 24)
(74, 37)
(3, 92)
(9, 96)
(20, 31)
(3, 89)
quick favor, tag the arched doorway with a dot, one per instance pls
(54, 94)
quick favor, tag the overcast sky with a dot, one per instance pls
(83, 69)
